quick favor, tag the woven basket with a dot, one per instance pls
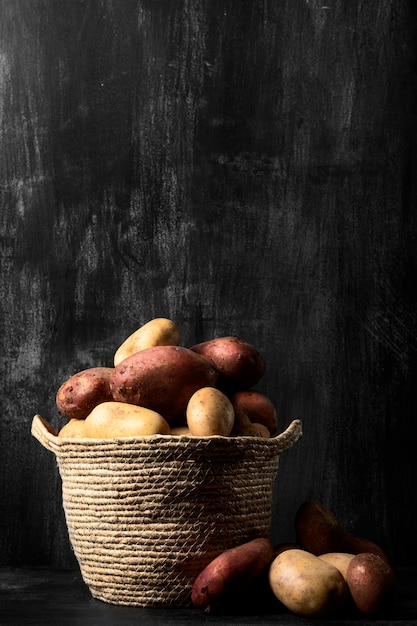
(146, 514)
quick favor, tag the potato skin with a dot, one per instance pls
(340, 560)
(255, 430)
(74, 429)
(371, 582)
(317, 529)
(239, 364)
(257, 407)
(243, 427)
(111, 420)
(232, 571)
(162, 378)
(287, 545)
(258, 430)
(178, 431)
(210, 412)
(241, 424)
(357, 544)
(157, 332)
(307, 585)
(78, 395)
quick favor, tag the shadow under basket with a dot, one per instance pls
(145, 515)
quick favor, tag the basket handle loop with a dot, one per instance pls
(290, 435)
(44, 433)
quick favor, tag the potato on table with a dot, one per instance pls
(317, 529)
(357, 544)
(306, 585)
(232, 572)
(372, 582)
(340, 560)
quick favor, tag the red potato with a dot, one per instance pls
(233, 570)
(239, 364)
(371, 582)
(357, 544)
(257, 407)
(83, 391)
(317, 529)
(162, 378)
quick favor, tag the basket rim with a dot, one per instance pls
(46, 434)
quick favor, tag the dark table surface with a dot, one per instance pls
(48, 597)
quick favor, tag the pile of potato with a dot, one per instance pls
(327, 571)
(156, 386)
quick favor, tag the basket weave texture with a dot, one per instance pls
(145, 515)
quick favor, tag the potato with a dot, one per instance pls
(180, 430)
(305, 584)
(239, 364)
(340, 560)
(111, 420)
(257, 407)
(357, 544)
(210, 412)
(231, 572)
(317, 529)
(255, 430)
(74, 429)
(83, 391)
(243, 427)
(162, 378)
(158, 332)
(287, 545)
(371, 582)
(259, 430)
(241, 424)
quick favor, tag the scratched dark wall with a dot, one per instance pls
(245, 168)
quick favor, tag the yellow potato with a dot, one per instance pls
(340, 560)
(111, 420)
(256, 430)
(243, 427)
(180, 430)
(210, 412)
(305, 584)
(158, 332)
(73, 429)
(241, 424)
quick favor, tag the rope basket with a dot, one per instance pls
(145, 515)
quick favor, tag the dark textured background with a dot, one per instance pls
(245, 167)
